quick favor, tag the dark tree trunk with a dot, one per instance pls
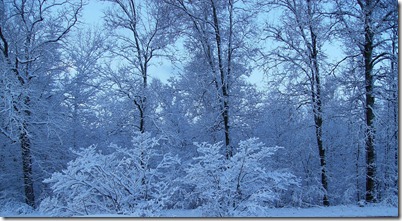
(394, 70)
(370, 150)
(229, 149)
(357, 173)
(224, 81)
(369, 105)
(140, 107)
(321, 150)
(318, 121)
(27, 167)
(317, 103)
(26, 160)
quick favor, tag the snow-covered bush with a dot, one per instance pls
(123, 182)
(239, 185)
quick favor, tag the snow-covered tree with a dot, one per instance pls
(301, 36)
(30, 36)
(217, 36)
(141, 32)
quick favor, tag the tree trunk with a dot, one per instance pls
(224, 80)
(317, 103)
(369, 105)
(394, 70)
(26, 159)
(140, 107)
(357, 173)
(370, 151)
(321, 150)
(318, 121)
(27, 167)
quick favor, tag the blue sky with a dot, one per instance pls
(93, 12)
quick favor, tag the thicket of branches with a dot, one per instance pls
(87, 125)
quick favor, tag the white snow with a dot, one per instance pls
(335, 211)
(332, 211)
(182, 213)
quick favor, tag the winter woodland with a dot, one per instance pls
(89, 126)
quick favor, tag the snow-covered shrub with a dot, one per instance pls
(235, 186)
(122, 182)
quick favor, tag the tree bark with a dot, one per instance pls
(26, 160)
(370, 100)
(224, 80)
(27, 168)
(318, 121)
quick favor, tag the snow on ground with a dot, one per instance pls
(332, 211)
(182, 213)
(335, 211)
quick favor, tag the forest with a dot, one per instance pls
(158, 107)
